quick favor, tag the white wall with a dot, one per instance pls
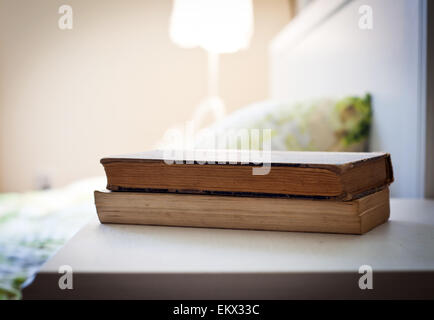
(325, 53)
(111, 85)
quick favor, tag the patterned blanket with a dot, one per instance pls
(34, 225)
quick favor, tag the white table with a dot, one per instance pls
(120, 261)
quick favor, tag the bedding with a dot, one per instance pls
(34, 225)
(316, 125)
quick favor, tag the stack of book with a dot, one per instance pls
(300, 191)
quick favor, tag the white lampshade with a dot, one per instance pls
(218, 26)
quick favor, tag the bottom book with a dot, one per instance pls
(211, 211)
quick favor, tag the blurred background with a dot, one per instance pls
(81, 80)
(111, 85)
(123, 74)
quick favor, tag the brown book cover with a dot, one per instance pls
(258, 213)
(322, 175)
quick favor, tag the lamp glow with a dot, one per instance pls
(218, 26)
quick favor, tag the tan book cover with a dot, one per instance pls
(256, 213)
(324, 175)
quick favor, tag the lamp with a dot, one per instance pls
(217, 26)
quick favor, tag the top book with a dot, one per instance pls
(322, 175)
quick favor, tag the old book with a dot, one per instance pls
(256, 213)
(324, 175)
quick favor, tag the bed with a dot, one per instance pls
(34, 225)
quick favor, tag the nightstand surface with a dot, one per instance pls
(403, 245)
